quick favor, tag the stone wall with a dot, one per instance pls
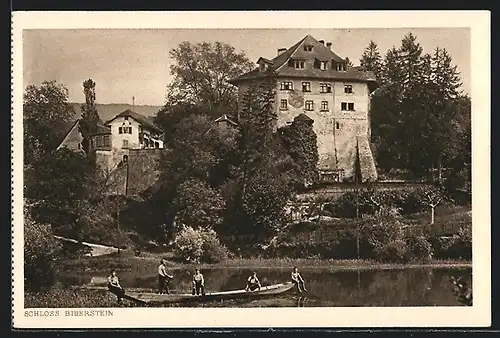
(143, 169)
(130, 173)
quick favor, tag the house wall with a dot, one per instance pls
(117, 138)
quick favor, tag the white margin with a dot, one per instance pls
(475, 316)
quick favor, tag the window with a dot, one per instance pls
(299, 64)
(348, 89)
(130, 130)
(341, 67)
(306, 86)
(125, 144)
(324, 105)
(287, 85)
(309, 105)
(125, 158)
(323, 65)
(337, 125)
(325, 88)
(347, 106)
(120, 130)
(126, 118)
(157, 145)
(284, 104)
(308, 48)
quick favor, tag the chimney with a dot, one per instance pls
(322, 42)
(281, 50)
(329, 45)
(133, 101)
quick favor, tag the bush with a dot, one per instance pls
(213, 250)
(188, 244)
(393, 252)
(458, 246)
(386, 237)
(195, 245)
(419, 249)
(462, 242)
(40, 251)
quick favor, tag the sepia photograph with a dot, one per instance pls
(222, 168)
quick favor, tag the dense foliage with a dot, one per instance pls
(90, 117)
(40, 252)
(420, 117)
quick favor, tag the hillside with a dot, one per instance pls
(108, 111)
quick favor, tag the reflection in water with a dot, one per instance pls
(405, 287)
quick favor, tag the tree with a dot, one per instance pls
(197, 205)
(300, 142)
(201, 73)
(40, 252)
(371, 59)
(60, 184)
(46, 113)
(256, 206)
(90, 117)
(433, 197)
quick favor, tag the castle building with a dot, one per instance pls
(313, 80)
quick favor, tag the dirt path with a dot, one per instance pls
(96, 249)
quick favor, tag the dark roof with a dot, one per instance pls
(102, 129)
(320, 52)
(138, 117)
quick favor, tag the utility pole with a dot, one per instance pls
(118, 219)
(357, 201)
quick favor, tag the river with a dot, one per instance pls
(326, 287)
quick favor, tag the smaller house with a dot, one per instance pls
(131, 130)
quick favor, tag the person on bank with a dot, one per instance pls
(253, 283)
(198, 283)
(115, 287)
(298, 280)
(163, 279)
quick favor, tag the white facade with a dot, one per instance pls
(128, 133)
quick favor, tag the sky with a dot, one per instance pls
(128, 63)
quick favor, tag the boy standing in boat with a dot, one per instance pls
(298, 280)
(114, 286)
(198, 283)
(163, 278)
(253, 283)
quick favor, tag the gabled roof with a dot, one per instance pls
(75, 125)
(101, 129)
(146, 123)
(319, 52)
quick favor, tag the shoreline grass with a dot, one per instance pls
(150, 261)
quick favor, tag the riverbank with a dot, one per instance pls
(149, 262)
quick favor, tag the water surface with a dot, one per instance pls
(326, 287)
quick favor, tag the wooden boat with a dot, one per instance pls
(154, 298)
